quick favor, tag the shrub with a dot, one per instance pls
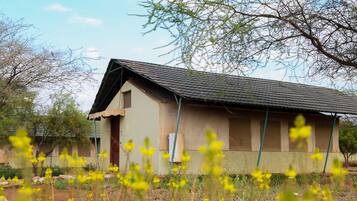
(60, 184)
(9, 172)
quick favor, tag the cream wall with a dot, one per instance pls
(196, 119)
(141, 120)
(52, 160)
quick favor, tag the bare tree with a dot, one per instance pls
(25, 64)
(319, 36)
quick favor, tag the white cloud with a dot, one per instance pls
(92, 53)
(85, 20)
(57, 7)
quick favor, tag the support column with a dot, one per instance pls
(330, 141)
(262, 136)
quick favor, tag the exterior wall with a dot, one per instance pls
(52, 160)
(196, 119)
(141, 120)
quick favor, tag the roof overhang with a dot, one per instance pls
(106, 113)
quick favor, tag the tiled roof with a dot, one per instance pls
(236, 90)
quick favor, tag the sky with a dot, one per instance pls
(102, 30)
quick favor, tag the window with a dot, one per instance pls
(322, 134)
(84, 150)
(272, 140)
(239, 134)
(127, 99)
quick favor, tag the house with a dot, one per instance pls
(86, 151)
(139, 99)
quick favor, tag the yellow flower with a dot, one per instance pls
(15, 180)
(22, 145)
(113, 168)
(290, 173)
(82, 179)
(96, 176)
(185, 157)
(228, 185)
(129, 146)
(103, 155)
(316, 156)
(337, 170)
(147, 151)
(48, 173)
(300, 131)
(26, 191)
(41, 157)
(140, 186)
(216, 146)
(155, 181)
(261, 179)
(166, 155)
(70, 199)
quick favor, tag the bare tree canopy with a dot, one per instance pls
(23, 63)
(241, 35)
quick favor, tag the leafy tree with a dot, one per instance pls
(348, 140)
(63, 125)
(243, 35)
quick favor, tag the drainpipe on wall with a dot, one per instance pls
(178, 118)
(330, 141)
(262, 136)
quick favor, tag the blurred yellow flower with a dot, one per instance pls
(140, 186)
(41, 157)
(228, 184)
(300, 131)
(337, 169)
(113, 168)
(103, 155)
(96, 176)
(261, 179)
(129, 146)
(147, 151)
(26, 190)
(155, 180)
(316, 156)
(48, 173)
(185, 157)
(291, 173)
(166, 155)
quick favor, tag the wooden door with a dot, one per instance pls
(114, 140)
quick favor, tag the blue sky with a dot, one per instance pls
(101, 29)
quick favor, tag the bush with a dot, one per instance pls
(90, 167)
(9, 172)
(60, 184)
(56, 170)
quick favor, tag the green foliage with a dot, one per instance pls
(16, 110)
(60, 184)
(348, 140)
(64, 123)
(9, 172)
